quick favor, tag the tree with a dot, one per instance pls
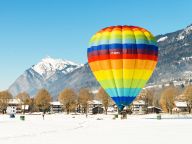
(188, 97)
(69, 99)
(5, 96)
(167, 98)
(25, 99)
(105, 99)
(147, 95)
(84, 97)
(33, 107)
(42, 100)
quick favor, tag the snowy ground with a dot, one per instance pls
(72, 129)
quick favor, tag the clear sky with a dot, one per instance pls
(33, 29)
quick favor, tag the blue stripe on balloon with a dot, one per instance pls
(123, 100)
(122, 46)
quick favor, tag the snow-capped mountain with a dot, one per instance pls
(175, 52)
(43, 74)
(175, 62)
(48, 67)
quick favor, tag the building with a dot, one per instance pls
(154, 109)
(180, 106)
(14, 106)
(95, 106)
(97, 110)
(56, 107)
(139, 107)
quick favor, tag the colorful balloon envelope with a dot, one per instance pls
(122, 59)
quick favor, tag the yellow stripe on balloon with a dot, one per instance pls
(127, 83)
(120, 74)
(119, 34)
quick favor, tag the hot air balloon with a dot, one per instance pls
(122, 59)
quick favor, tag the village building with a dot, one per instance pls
(95, 107)
(180, 106)
(56, 107)
(154, 109)
(14, 106)
(139, 107)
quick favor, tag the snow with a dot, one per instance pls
(139, 102)
(96, 102)
(56, 103)
(97, 129)
(188, 30)
(181, 104)
(186, 58)
(14, 101)
(162, 39)
(48, 66)
(185, 32)
(95, 91)
(180, 36)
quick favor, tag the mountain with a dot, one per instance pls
(42, 75)
(77, 79)
(174, 64)
(49, 66)
(175, 55)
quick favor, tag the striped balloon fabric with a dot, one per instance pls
(122, 59)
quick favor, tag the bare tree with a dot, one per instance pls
(188, 97)
(147, 95)
(84, 97)
(25, 100)
(69, 99)
(167, 98)
(5, 96)
(105, 99)
(42, 100)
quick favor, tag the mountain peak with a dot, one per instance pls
(48, 66)
(188, 29)
(185, 32)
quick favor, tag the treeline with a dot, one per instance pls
(165, 97)
(78, 101)
(71, 101)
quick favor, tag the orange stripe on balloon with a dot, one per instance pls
(127, 64)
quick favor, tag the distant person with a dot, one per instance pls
(43, 115)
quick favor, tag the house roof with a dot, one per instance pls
(14, 101)
(139, 102)
(149, 107)
(95, 102)
(55, 103)
(180, 104)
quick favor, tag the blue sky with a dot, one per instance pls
(33, 29)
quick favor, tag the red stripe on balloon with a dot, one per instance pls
(122, 56)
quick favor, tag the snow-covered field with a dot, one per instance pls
(98, 129)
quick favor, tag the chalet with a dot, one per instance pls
(180, 106)
(154, 109)
(139, 107)
(95, 107)
(97, 110)
(14, 106)
(56, 107)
